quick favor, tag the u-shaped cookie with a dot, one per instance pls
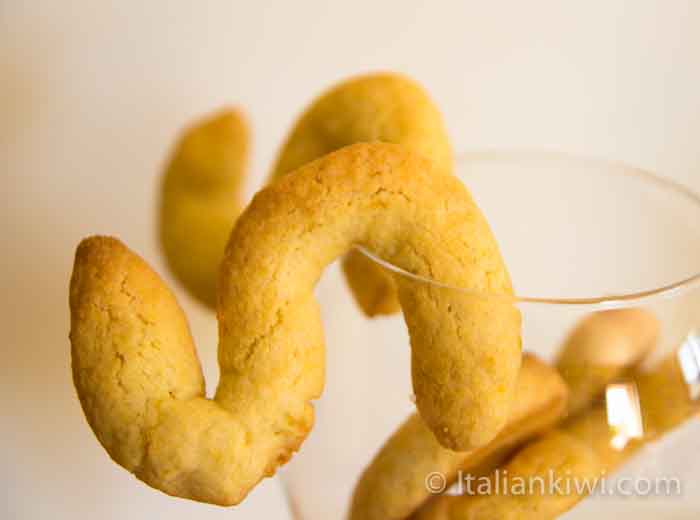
(137, 373)
(201, 199)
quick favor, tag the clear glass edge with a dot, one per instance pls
(601, 302)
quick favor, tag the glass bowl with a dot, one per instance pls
(579, 236)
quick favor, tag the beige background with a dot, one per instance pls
(91, 97)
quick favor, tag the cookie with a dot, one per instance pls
(201, 191)
(200, 199)
(394, 485)
(131, 347)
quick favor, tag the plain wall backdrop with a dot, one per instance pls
(92, 95)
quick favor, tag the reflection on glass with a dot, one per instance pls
(689, 360)
(624, 416)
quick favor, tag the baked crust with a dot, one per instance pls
(394, 485)
(200, 199)
(465, 350)
(201, 191)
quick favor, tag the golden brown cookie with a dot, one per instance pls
(394, 485)
(582, 450)
(606, 344)
(666, 398)
(557, 454)
(379, 107)
(124, 321)
(602, 348)
(138, 377)
(201, 196)
(200, 199)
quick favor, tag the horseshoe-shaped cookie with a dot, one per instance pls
(201, 191)
(137, 373)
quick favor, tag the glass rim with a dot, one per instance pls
(596, 302)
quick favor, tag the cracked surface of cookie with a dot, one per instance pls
(380, 107)
(465, 350)
(201, 189)
(200, 199)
